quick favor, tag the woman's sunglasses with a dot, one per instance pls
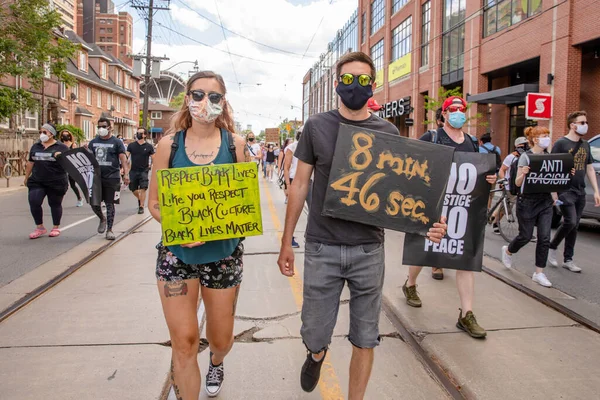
(363, 80)
(198, 95)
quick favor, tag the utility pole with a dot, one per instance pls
(148, 57)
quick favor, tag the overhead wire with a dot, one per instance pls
(227, 46)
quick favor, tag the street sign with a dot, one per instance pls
(538, 106)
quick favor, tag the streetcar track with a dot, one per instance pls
(38, 291)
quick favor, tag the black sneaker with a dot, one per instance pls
(311, 372)
(214, 378)
(295, 244)
(496, 228)
(141, 210)
(102, 226)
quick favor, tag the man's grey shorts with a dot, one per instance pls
(326, 269)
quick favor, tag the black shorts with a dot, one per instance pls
(138, 180)
(111, 191)
(222, 274)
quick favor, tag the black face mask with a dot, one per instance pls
(139, 136)
(354, 96)
(251, 139)
(65, 138)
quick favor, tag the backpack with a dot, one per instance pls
(496, 151)
(514, 167)
(434, 138)
(175, 146)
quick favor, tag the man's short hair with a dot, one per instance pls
(571, 118)
(144, 129)
(486, 137)
(355, 56)
(104, 119)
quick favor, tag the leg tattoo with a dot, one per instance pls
(175, 288)
(175, 388)
(235, 300)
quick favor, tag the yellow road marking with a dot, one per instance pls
(329, 384)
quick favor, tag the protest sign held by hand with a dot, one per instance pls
(548, 173)
(83, 167)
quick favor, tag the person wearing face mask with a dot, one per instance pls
(337, 251)
(573, 200)
(140, 153)
(66, 137)
(110, 153)
(533, 210)
(203, 136)
(270, 162)
(254, 148)
(451, 134)
(44, 177)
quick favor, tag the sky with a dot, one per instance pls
(263, 61)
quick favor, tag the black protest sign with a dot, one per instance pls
(83, 167)
(386, 180)
(548, 173)
(465, 207)
(207, 203)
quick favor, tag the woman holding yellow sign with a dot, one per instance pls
(201, 134)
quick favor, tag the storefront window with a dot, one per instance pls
(517, 124)
(500, 14)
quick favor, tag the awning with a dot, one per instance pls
(107, 116)
(156, 130)
(509, 95)
(83, 111)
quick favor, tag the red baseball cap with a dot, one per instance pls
(454, 101)
(373, 105)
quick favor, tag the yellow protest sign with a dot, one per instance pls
(400, 67)
(207, 203)
(379, 78)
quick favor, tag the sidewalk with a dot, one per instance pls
(15, 184)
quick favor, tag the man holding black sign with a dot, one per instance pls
(573, 200)
(454, 109)
(338, 251)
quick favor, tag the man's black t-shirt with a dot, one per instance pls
(582, 156)
(107, 153)
(316, 147)
(45, 168)
(468, 145)
(140, 155)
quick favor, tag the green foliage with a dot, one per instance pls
(432, 104)
(77, 133)
(177, 101)
(13, 101)
(30, 44)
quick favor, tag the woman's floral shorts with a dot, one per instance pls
(223, 274)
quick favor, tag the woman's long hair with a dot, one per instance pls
(182, 119)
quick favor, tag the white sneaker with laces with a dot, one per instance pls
(506, 258)
(571, 266)
(540, 278)
(552, 258)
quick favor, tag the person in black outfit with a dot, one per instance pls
(573, 200)
(45, 177)
(66, 137)
(141, 152)
(109, 151)
(270, 162)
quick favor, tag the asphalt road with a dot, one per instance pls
(579, 285)
(19, 254)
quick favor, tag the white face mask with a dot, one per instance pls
(102, 132)
(544, 142)
(204, 111)
(44, 138)
(581, 129)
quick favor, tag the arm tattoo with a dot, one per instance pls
(175, 288)
(247, 157)
(156, 206)
(235, 300)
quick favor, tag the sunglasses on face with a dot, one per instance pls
(103, 126)
(580, 122)
(456, 108)
(198, 95)
(363, 79)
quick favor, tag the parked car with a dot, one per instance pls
(589, 211)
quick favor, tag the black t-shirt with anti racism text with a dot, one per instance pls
(45, 168)
(107, 154)
(468, 145)
(140, 155)
(582, 157)
(316, 147)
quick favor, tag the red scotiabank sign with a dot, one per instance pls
(538, 106)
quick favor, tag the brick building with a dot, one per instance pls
(495, 51)
(98, 23)
(160, 119)
(67, 9)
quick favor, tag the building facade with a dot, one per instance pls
(68, 11)
(160, 120)
(496, 51)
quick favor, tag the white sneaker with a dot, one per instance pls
(571, 266)
(506, 259)
(79, 203)
(552, 258)
(540, 278)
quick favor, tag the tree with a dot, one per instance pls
(432, 104)
(177, 101)
(31, 47)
